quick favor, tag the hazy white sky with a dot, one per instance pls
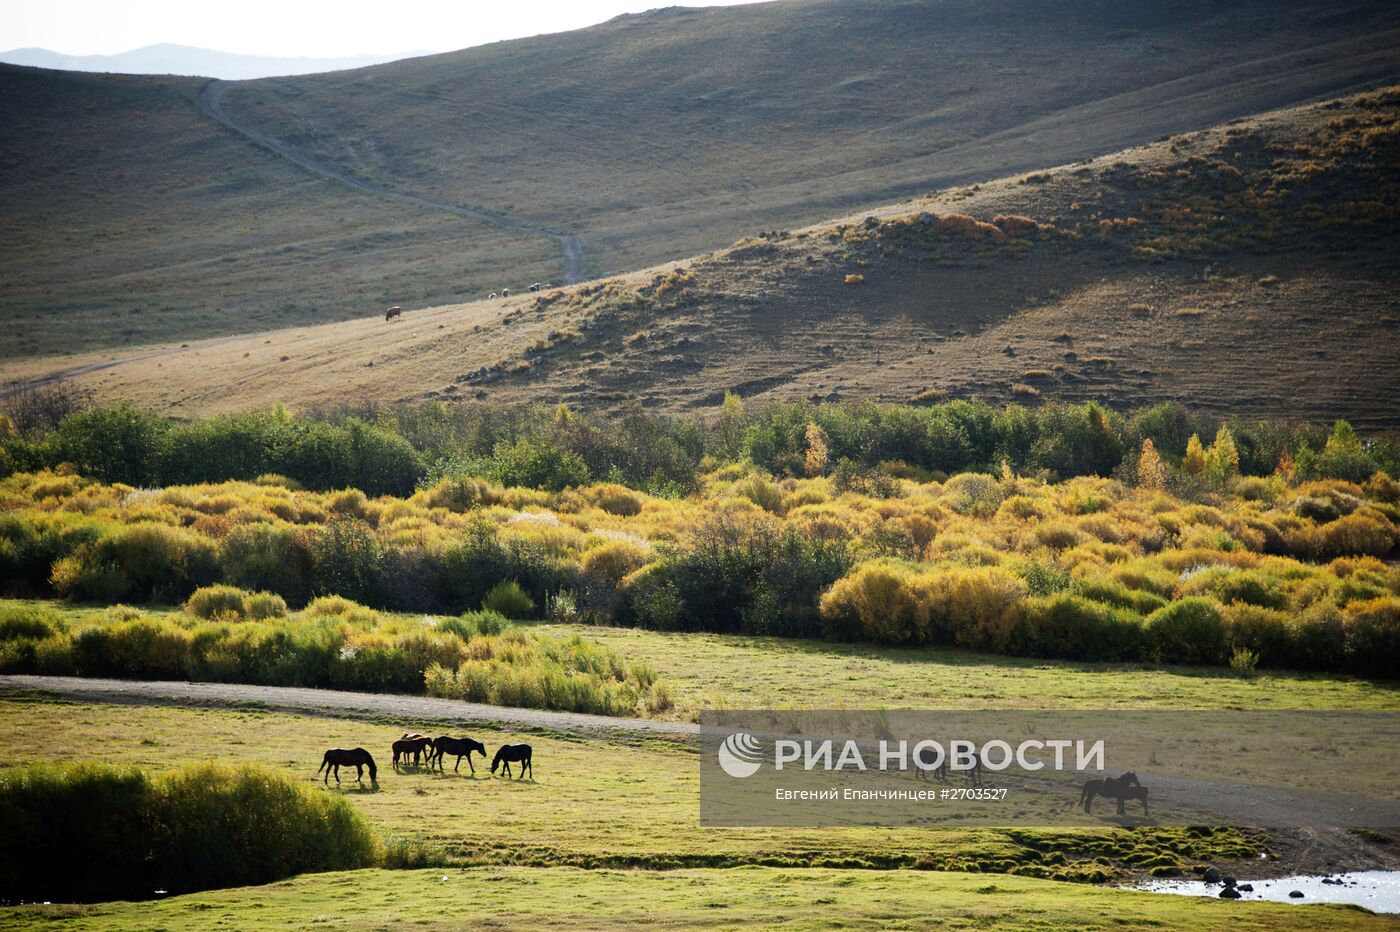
(292, 27)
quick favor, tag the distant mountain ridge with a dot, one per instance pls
(168, 58)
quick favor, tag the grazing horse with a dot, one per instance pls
(535, 286)
(974, 773)
(393, 312)
(1119, 788)
(416, 745)
(509, 753)
(461, 747)
(357, 757)
(491, 296)
(505, 292)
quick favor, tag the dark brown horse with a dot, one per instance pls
(356, 757)
(415, 745)
(514, 753)
(1120, 788)
(461, 747)
(393, 312)
(940, 773)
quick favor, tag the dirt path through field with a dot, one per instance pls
(343, 704)
(1235, 803)
(211, 104)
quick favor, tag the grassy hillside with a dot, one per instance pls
(136, 219)
(1244, 268)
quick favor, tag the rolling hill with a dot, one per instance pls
(168, 58)
(136, 218)
(1247, 268)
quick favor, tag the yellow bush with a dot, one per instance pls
(881, 598)
(609, 563)
(979, 606)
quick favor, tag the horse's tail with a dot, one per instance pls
(325, 762)
(1082, 794)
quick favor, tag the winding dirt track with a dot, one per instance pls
(211, 104)
(342, 704)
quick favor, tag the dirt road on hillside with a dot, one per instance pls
(211, 104)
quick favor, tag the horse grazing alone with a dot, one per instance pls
(393, 312)
(357, 757)
(513, 753)
(415, 745)
(505, 292)
(461, 747)
(1120, 788)
(536, 286)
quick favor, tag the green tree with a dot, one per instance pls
(1222, 460)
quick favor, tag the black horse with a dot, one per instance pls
(356, 757)
(462, 747)
(414, 746)
(513, 753)
(1120, 788)
(940, 773)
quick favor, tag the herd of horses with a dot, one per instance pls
(393, 312)
(421, 749)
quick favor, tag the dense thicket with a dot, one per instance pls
(394, 450)
(228, 635)
(93, 832)
(1183, 561)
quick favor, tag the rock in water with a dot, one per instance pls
(1230, 893)
(1295, 894)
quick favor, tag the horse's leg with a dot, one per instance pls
(1088, 800)
(1121, 810)
(529, 762)
(470, 764)
(359, 773)
(458, 764)
(1145, 811)
(337, 774)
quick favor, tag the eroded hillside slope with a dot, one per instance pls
(1248, 267)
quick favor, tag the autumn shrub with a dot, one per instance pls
(345, 560)
(1073, 627)
(219, 601)
(1372, 636)
(31, 622)
(1190, 630)
(1357, 533)
(1117, 594)
(975, 607)
(1263, 631)
(879, 600)
(508, 599)
(1227, 585)
(265, 556)
(92, 832)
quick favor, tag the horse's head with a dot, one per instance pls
(1130, 779)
